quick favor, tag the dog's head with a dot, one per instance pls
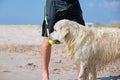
(61, 30)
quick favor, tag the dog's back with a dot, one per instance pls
(108, 44)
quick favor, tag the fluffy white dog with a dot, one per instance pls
(92, 47)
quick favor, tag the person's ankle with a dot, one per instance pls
(45, 76)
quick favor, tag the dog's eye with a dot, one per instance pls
(55, 30)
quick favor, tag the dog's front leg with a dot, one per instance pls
(92, 73)
(83, 74)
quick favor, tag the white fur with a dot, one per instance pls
(92, 47)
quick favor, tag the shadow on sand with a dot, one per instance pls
(110, 78)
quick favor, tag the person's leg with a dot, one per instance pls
(78, 66)
(45, 58)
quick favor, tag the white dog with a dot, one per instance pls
(92, 47)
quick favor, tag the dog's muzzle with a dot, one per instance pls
(56, 41)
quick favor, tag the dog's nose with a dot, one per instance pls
(57, 42)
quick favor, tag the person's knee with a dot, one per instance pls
(45, 40)
(45, 43)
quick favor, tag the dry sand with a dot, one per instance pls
(20, 56)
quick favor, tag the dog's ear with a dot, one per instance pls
(65, 32)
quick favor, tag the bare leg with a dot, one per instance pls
(92, 73)
(83, 71)
(45, 58)
(78, 66)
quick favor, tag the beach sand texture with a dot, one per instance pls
(20, 56)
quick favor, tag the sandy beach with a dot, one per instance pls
(20, 56)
